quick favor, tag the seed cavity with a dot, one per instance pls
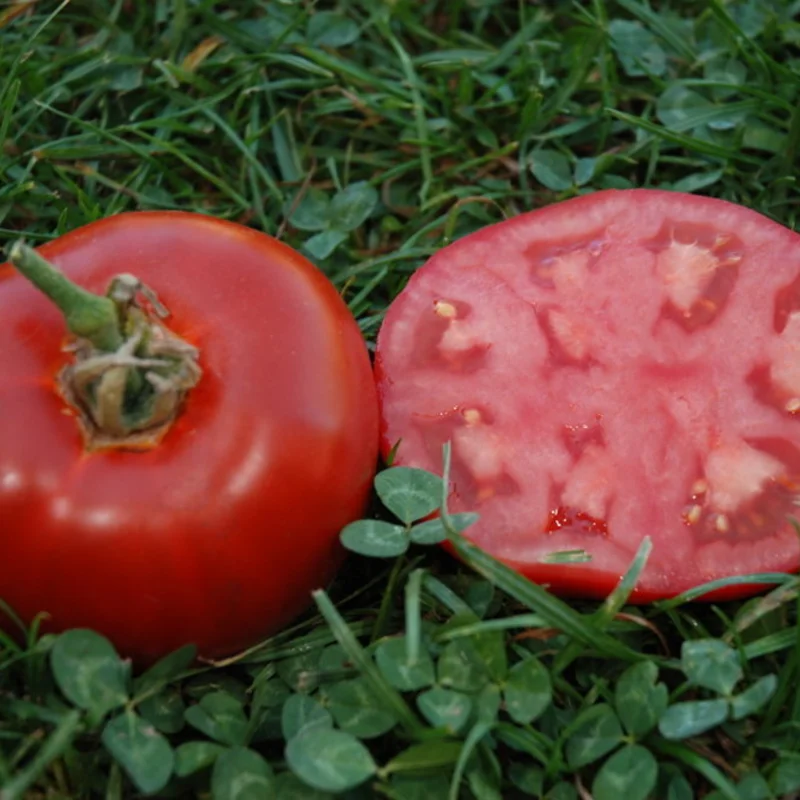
(697, 271)
(571, 336)
(686, 270)
(569, 520)
(590, 484)
(458, 338)
(784, 369)
(737, 473)
(565, 267)
(787, 301)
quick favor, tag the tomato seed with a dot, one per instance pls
(446, 310)
(722, 524)
(693, 515)
(471, 416)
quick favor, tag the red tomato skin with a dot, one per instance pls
(567, 580)
(586, 583)
(217, 536)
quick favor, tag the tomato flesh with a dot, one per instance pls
(620, 365)
(218, 535)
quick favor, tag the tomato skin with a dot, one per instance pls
(587, 583)
(218, 535)
(449, 346)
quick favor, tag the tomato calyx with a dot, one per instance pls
(130, 374)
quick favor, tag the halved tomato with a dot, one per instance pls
(620, 365)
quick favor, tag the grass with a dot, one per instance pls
(369, 134)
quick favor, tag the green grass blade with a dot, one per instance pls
(389, 696)
(54, 746)
(556, 612)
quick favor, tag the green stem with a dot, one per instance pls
(129, 373)
(88, 316)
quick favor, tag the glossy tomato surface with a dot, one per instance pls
(621, 365)
(218, 535)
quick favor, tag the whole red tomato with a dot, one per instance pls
(216, 534)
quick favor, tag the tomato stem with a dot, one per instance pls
(130, 374)
(87, 315)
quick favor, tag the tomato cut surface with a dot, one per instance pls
(616, 366)
(217, 535)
